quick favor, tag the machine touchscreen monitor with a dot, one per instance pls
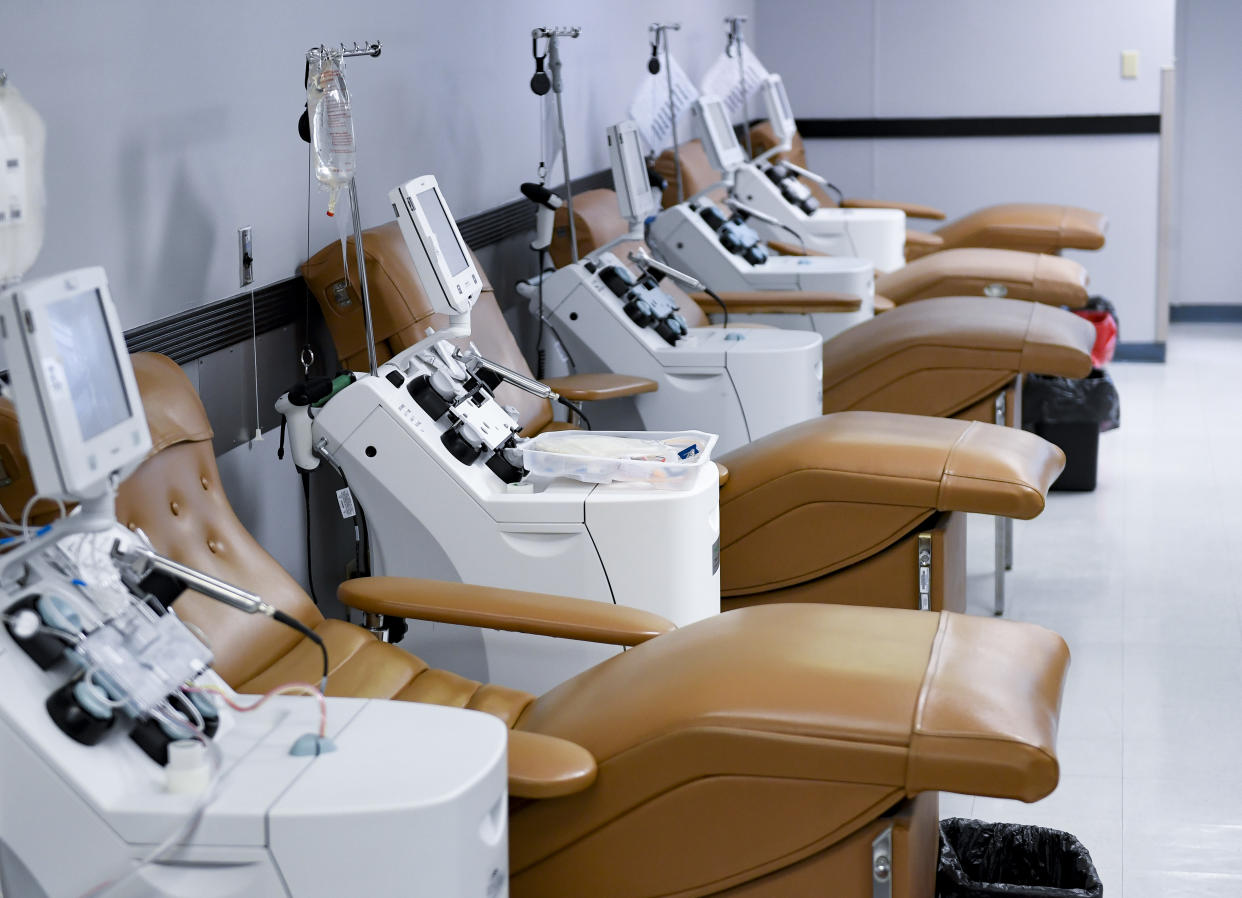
(74, 387)
(780, 113)
(439, 253)
(629, 173)
(723, 150)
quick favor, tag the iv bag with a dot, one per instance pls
(331, 126)
(22, 138)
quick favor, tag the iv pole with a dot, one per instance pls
(661, 31)
(554, 61)
(371, 48)
(736, 37)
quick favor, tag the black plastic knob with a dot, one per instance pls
(80, 709)
(640, 311)
(459, 447)
(428, 399)
(499, 465)
(24, 624)
(617, 279)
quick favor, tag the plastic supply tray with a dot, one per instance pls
(676, 474)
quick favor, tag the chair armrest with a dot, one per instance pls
(797, 302)
(594, 387)
(547, 767)
(792, 249)
(883, 304)
(913, 210)
(502, 609)
(924, 241)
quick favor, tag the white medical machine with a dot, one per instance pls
(774, 189)
(436, 465)
(714, 242)
(124, 772)
(612, 314)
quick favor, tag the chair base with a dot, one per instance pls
(891, 578)
(849, 868)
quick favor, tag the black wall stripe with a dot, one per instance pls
(1003, 126)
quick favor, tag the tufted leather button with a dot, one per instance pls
(203, 481)
(174, 507)
(213, 546)
(132, 526)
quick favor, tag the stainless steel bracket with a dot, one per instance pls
(925, 570)
(882, 864)
(1002, 524)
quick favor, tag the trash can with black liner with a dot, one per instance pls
(979, 859)
(1072, 412)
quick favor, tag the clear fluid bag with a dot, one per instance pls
(331, 126)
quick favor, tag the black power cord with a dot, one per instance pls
(295, 624)
(576, 409)
(724, 310)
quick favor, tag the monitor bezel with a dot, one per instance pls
(637, 201)
(784, 126)
(62, 462)
(453, 294)
(723, 150)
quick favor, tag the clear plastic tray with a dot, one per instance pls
(675, 474)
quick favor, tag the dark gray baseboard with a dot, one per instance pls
(1139, 352)
(1206, 313)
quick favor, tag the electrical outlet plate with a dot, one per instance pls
(245, 256)
(1129, 63)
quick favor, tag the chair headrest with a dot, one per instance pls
(175, 414)
(696, 171)
(597, 220)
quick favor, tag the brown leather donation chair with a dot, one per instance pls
(776, 751)
(948, 357)
(1031, 227)
(956, 271)
(836, 509)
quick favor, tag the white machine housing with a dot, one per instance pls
(878, 235)
(430, 515)
(83, 421)
(96, 699)
(414, 799)
(681, 237)
(438, 507)
(739, 383)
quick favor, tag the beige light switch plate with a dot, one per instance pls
(1129, 63)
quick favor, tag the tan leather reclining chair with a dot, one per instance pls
(958, 271)
(767, 752)
(948, 357)
(1031, 227)
(856, 490)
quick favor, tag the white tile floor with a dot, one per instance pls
(1143, 578)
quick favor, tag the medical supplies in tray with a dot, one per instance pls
(668, 460)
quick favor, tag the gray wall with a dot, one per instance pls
(170, 125)
(1208, 173)
(898, 58)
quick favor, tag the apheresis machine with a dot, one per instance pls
(126, 769)
(451, 491)
(786, 209)
(715, 241)
(611, 312)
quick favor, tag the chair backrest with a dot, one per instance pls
(697, 172)
(763, 138)
(401, 313)
(176, 498)
(598, 220)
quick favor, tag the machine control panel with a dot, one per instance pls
(449, 391)
(644, 302)
(793, 190)
(78, 608)
(734, 234)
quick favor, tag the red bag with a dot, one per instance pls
(1105, 336)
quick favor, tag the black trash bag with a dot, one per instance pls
(979, 859)
(1071, 400)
